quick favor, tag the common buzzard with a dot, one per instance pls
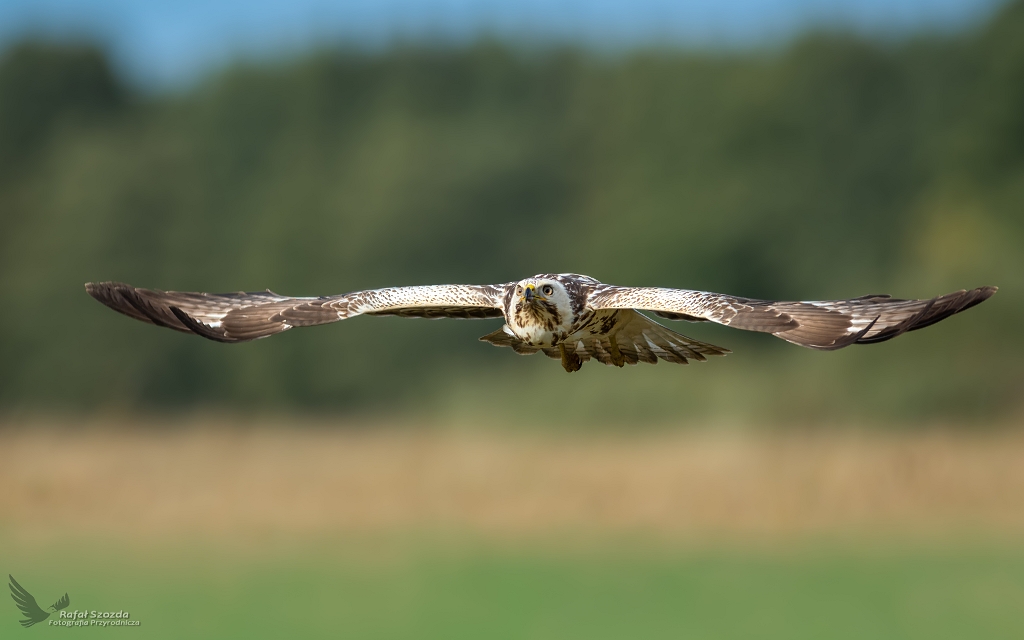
(567, 316)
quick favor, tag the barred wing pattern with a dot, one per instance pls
(636, 339)
(824, 325)
(239, 317)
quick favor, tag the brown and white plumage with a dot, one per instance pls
(824, 325)
(568, 316)
(635, 338)
(240, 317)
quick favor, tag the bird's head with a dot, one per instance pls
(539, 291)
(542, 307)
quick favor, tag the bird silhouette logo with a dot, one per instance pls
(27, 604)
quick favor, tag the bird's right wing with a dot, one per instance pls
(824, 325)
(27, 603)
(238, 317)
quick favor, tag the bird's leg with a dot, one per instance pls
(613, 351)
(570, 361)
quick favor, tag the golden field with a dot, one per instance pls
(217, 477)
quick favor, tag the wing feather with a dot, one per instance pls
(824, 325)
(239, 317)
(635, 338)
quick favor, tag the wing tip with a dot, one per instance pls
(981, 294)
(934, 310)
(101, 290)
(113, 294)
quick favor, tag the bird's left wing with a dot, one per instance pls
(238, 317)
(824, 325)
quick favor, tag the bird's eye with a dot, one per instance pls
(547, 290)
(519, 289)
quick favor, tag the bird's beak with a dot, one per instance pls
(529, 293)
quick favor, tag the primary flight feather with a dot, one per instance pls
(567, 316)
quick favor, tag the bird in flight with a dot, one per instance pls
(567, 316)
(26, 602)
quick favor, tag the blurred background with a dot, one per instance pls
(373, 477)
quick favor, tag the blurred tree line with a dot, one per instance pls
(834, 167)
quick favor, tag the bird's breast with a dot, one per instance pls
(538, 324)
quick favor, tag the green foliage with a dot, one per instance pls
(834, 168)
(40, 87)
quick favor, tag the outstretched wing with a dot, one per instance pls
(238, 317)
(825, 325)
(62, 603)
(27, 603)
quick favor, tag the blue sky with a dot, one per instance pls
(160, 42)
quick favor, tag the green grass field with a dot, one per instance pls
(209, 529)
(609, 590)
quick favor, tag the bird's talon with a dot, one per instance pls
(570, 361)
(617, 358)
